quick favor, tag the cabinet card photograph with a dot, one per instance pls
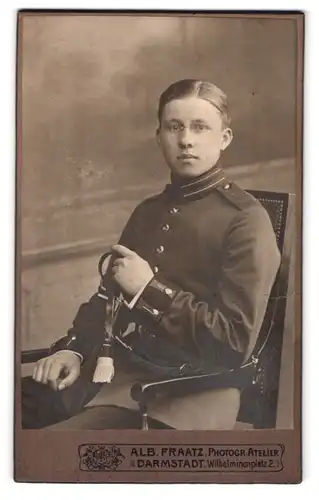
(158, 247)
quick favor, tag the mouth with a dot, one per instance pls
(186, 156)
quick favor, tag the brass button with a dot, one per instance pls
(160, 249)
(174, 210)
(156, 269)
(168, 291)
(227, 186)
(165, 227)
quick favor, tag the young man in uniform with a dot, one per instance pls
(196, 265)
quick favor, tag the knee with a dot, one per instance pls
(40, 405)
(223, 408)
(209, 410)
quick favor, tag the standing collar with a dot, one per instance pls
(198, 186)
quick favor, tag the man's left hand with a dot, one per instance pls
(130, 271)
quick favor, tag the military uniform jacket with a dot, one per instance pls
(214, 255)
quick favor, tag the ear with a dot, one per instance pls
(227, 137)
(158, 139)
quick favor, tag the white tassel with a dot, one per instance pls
(104, 371)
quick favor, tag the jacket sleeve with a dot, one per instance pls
(87, 331)
(234, 315)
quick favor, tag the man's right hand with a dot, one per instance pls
(59, 370)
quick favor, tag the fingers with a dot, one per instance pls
(74, 372)
(47, 371)
(123, 251)
(38, 370)
(120, 262)
(53, 374)
(41, 369)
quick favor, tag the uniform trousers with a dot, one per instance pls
(86, 405)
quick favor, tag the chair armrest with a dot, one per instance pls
(143, 392)
(33, 355)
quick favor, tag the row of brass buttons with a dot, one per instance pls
(166, 227)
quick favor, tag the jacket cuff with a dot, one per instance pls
(75, 344)
(157, 297)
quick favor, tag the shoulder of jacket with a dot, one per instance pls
(235, 195)
(143, 206)
(150, 199)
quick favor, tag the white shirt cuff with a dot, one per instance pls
(132, 303)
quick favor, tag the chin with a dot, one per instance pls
(189, 171)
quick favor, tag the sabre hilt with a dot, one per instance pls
(103, 258)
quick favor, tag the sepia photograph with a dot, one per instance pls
(159, 175)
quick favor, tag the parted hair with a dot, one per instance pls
(196, 88)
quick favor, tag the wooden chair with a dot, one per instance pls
(258, 378)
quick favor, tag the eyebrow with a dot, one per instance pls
(200, 120)
(197, 120)
(173, 120)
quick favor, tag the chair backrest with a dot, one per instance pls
(259, 401)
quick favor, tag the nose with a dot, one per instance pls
(185, 139)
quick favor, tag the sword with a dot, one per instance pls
(104, 371)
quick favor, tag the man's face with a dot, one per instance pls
(191, 136)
